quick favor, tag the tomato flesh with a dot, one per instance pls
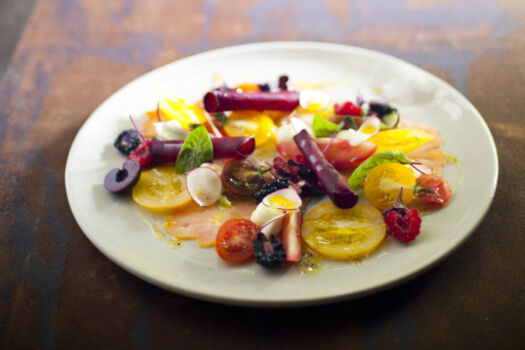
(340, 153)
(440, 187)
(234, 241)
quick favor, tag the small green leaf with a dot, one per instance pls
(222, 118)
(322, 127)
(359, 174)
(225, 202)
(196, 150)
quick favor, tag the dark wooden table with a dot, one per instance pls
(58, 291)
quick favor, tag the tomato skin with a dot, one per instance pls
(340, 153)
(234, 241)
(442, 191)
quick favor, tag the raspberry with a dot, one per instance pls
(403, 224)
(347, 108)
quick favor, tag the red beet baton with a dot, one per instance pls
(330, 181)
(153, 152)
(217, 101)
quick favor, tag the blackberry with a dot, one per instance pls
(127, 141)
(265, 87)
(269, 253)
(380, 109)
(268, 188)
(283, 83)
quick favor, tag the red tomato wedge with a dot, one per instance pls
(340, 153)
(440, 187)
(234, 241)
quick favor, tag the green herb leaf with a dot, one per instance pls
(221, 118)
(322, 127)
(359, 174)
(345, 121)
(225, 202)
(196, 150)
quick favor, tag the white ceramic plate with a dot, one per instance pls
(116, 228)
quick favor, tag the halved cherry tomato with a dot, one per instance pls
(440, 187)
(234, 241)
(340, 153)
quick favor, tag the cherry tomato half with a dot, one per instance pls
(440, 186)
(234, 241)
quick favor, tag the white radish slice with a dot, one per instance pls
(299, 124)
(204, 186)
(170, 130)
(274, 226)
(313, 100)
(284, 199)
(369, 128)
(262, 214)
(285, 133)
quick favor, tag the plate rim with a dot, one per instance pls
(318, 300)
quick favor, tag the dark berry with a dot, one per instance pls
(283, 83)
(268, 188)
(264, 87)
(127, 141)
(380, 109)
(268, 252)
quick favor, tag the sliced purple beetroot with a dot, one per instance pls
(220, 101)
(153, 152)
(121, 180)
(330, 181)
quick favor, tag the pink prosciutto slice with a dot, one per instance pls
(202, 223)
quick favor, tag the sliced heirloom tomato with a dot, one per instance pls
(340, 153)
(234, 241)
(440, 188)
(343, 234)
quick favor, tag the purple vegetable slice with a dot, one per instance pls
(217, 101)
(330, 181)
(153, 152)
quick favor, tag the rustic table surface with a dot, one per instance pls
(58, 291)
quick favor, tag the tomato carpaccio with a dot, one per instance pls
(340, 153)
(440, 187)
(234, 241)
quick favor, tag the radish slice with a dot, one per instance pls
(313, 100)
(274, 226)
(170, 130)
(204, 186)
(299, 124)
(291, 236)
(262, 214)
(284, 199)
(369, 128)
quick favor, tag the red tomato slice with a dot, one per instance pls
(340, 153)
(234, 241)
(440, 186)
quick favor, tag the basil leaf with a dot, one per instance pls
(196, 150)
(359, 174)
(322, 127)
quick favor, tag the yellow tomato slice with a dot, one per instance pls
(250, 123)
(161, 189)
(400, 140)
(383, 183)
(343, 234)
(185, 113)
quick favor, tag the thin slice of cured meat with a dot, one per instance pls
(202, 223)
